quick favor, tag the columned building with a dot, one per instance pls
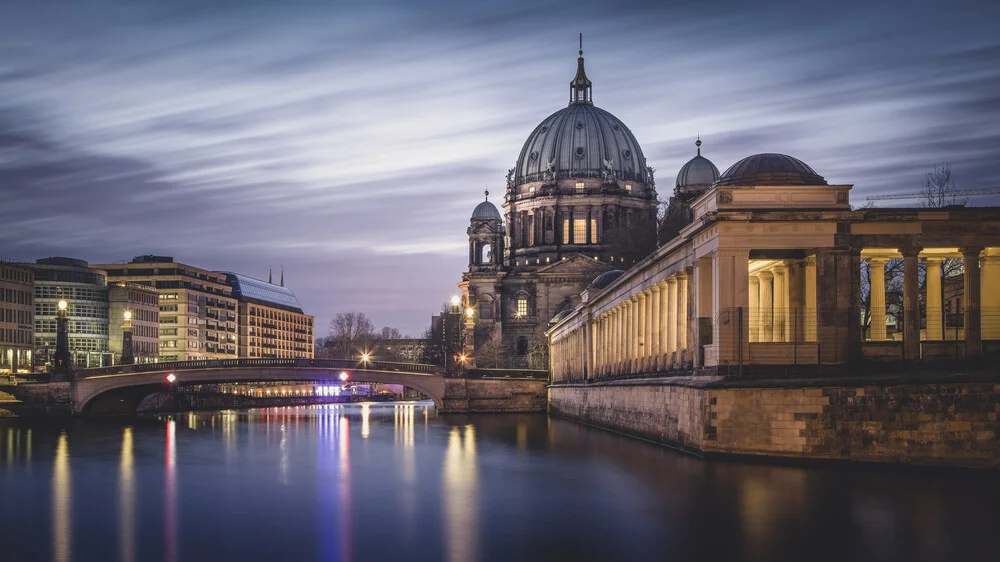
(143, 304)
(85, 290)
(766, 279)
(198, 313)
(271, 321)
(580, 201)
(17, 318)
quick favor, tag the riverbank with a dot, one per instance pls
(930, 420)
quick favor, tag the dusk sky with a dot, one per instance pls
(351, 141)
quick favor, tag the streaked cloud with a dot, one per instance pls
(351, 142)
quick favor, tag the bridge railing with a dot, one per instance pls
(333, 364)
(508, 373)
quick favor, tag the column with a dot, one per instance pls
(704, 309)
(671, 319)
(615, 339)
(657, 322)
(729, 272)
(691, 317)
(780, 302)
(647, 353)
(682, 312)
(796, 301)
(664, 321)
(990, 297)
(626, 336)
(766, 289)
(838, 313)
(876, 277)
(971, 302)
(633, 344)
(810, 304)
(934, 313)
(754, 308)
(641, 351)
(911, 304)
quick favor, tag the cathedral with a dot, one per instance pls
(580, 207)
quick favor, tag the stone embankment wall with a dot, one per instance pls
(494, 396)
(928, 423)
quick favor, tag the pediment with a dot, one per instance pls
(577, 264)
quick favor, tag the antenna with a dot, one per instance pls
(581, 42)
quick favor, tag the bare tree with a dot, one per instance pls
(538, 355)
(939, 188)
(492, 353)
(350, 333)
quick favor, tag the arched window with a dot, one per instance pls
(485, 309)
(522, 345)
(486, 254)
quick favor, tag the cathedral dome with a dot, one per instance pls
(697, 172)
(580, 141)
(770, 169)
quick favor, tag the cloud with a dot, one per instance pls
(355, 139)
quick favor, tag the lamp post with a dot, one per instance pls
(62, 365)
(128, 356)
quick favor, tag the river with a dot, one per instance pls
(388, 482)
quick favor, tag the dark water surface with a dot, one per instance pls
(396, 482)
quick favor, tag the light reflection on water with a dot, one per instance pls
(364, 482)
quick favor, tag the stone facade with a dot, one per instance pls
(943, 421)
(17, 318)
(493, 396)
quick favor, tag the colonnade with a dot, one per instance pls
(648, 331)
(782, 301)
(980, 296)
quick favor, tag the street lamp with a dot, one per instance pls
(343, 375)
(62, 368)
(128, 355)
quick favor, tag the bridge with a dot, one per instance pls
(449, 393)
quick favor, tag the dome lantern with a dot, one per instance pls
(580, 87)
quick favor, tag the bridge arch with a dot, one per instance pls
(92, 383)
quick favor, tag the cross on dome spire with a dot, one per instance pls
(580, 87)
(698, 144)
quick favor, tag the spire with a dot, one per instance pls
(579, 88)
(698, 144)
(282, 275)
(487, 192)
(270, 279)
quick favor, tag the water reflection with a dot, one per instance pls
(467, 492)
(170, 493)
(126, 499)
(461, 509)
(62, 508)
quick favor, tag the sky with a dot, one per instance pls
(350, 141)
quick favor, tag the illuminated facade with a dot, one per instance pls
(17, 318)
(85, 291)
(271, 321)
(198, 313)
(143, 302)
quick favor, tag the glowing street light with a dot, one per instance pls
(128, 314)
(344, 376)
(469, 312)
(462, 358)
(62, 305)
(171, 378)
(456, 300)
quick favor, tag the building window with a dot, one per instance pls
(531, 191)
(486, 310)
(565, 236)
(628, 187)
(522, 307)
(593, 231)
(579, 231)
(579, 186)
(522, 345)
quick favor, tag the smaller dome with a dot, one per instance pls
(770, 169)
(699, 171)
(606, 278)
(486, 211)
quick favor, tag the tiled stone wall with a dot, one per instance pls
(932, 424)
(494, 395)
(671, 415)
(946, 424)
